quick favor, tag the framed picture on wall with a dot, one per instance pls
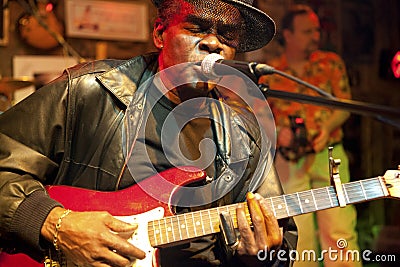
(107, 20)
(4, 22)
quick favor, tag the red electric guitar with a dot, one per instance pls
(157, 231)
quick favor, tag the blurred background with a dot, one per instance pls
(38, 39)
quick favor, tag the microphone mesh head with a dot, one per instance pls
(207, 65)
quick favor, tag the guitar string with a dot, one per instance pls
(351, 188)
(281, 201)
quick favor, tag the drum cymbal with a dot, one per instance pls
(11, 84)
(8, 85)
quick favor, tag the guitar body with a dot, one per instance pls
(133, 205)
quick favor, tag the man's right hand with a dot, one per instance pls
(92, 238)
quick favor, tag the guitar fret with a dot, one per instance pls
(300, 204)
(233, 214)
(355, 192)
(218, 212)
(155, 233)
(315, 202)
(150, 229)
(372, 186)
(232, 210)
(228, 211)
(279, 204)
(172, 228)
(272, 206)
(327, 190)
(275, 207)
(194, 225)
(215, 219)
(179, 228)
(182, 226)
(345, 193)
(186, 226)
(159, 229)
(363, 191)
(307, 201)
(167, 230)
(373, 192)
(293, 205)
(205, 226)
(323, 196)
(202, 224)
(209, 218)
(286, 204)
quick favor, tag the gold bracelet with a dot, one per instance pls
(58, 226)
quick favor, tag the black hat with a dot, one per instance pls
(259, 27)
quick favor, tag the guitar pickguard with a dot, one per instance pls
(140, 238)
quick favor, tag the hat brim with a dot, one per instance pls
(259, 27)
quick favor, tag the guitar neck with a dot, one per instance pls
(183, 227)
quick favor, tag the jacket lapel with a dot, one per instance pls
(123, 81)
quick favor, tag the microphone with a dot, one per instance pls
(214, 66)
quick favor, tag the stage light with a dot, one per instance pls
(389, 64)
(395, 65)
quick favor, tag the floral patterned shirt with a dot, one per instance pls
(327, 71)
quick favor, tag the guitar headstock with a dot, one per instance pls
(392, 180)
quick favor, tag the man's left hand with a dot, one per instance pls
(265, 234)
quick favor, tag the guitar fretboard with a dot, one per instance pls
(192, 225)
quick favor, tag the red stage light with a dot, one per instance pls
(49, 7)
(395, 65)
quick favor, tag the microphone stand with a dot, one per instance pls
(374, 110)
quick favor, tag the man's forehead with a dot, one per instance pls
(306, 20)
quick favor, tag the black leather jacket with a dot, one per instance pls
(71, 132)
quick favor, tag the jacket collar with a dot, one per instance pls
(123, 80)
